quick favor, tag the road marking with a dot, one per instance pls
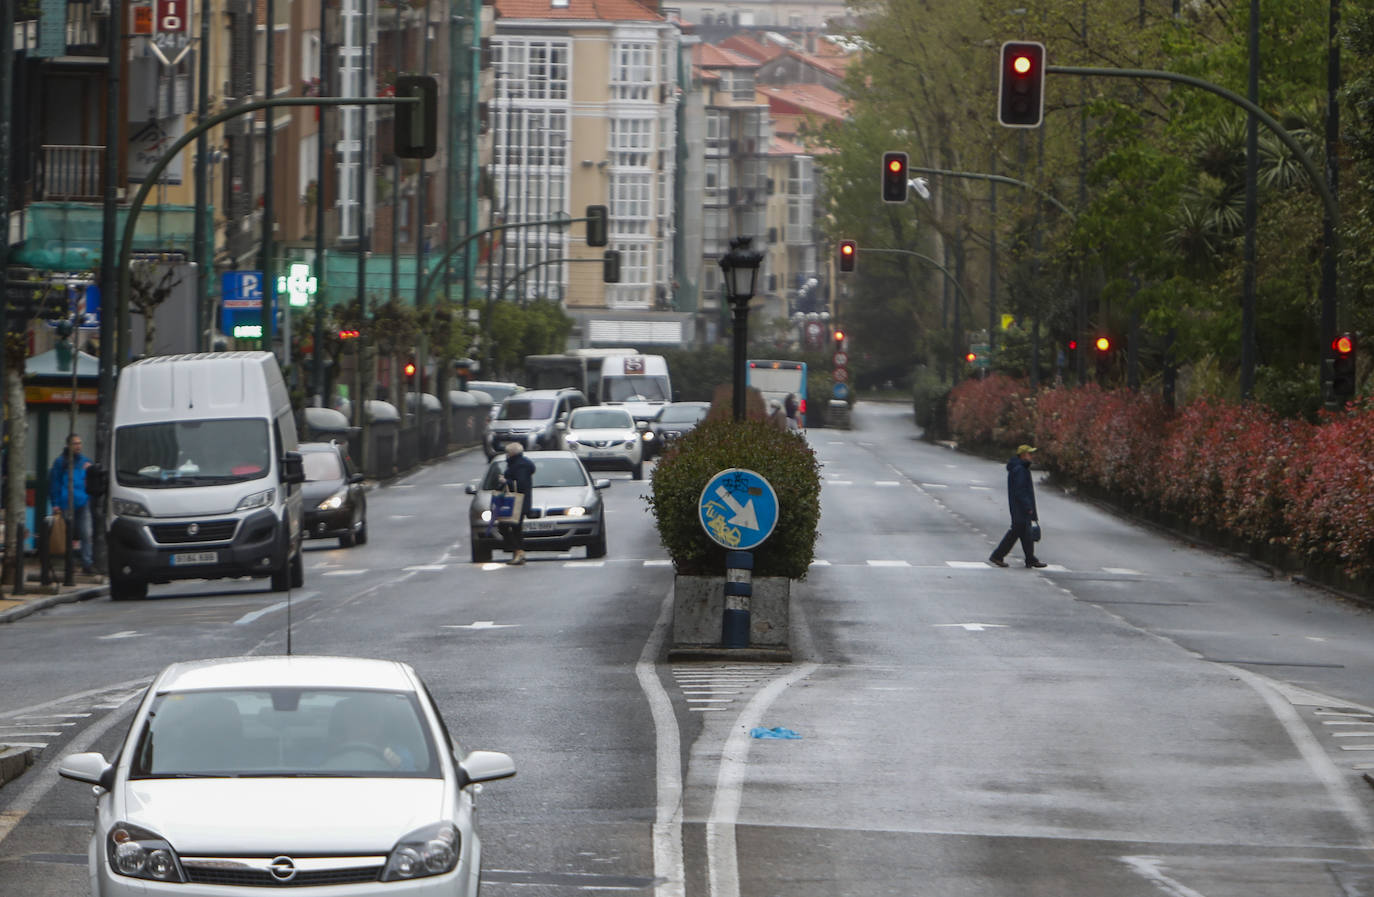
(480, 624)
(1149, 869)
(971, 627)
(669, 868)
(1365, 734)
(819, 564)
(934, 485)
(968, 565)
(1357, 747)
(127, 633)
(495, 565)
(839, 482)
(873, 563)
(426, 568)
(590, 565)
(656, 562)
(55, 716)
(886, 483)
(20, 730)
(401, 516)
(981, 488)
(343, 572)
(1124, 571)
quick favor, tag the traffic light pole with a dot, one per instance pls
(999, 179)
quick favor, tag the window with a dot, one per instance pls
(531, 69)
(631, 203)
(742, 85)
(631, 140)
(632, 77)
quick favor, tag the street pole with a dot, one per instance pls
(111, 296)
(203, 251)
(317, 387)
(1247, 307)
(1333, 135)
(268, 185)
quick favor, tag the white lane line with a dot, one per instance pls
(27, 733)
(127, 633)
(968, 565)
(657, 562)
(981, 488)
(886, 483)
(271, 608)
(426, 568)
(820, 564)
(669, 871)
(590, 565)
(1347, 722)
(873, 563)
(343, 572)
(1365, 734)
(1357, 747)
(1124, 571)
(1149, 869)
(839, 483)
(401, 516)
(55, 716)
(495, 565)
(934, 485)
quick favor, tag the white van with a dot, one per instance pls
(204, 474)
(639, 383)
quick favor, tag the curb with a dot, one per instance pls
(13, 762)
(37, 604)
(752, 654)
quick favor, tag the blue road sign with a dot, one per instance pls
(840, 391)
(241, 304)
(738, 509)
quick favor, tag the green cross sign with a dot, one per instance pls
(299, 285)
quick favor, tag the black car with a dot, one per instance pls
(675, 421)
(334, 500)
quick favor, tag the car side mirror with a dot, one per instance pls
(91, 768)
(356, 478)
(641, 425)
(292, 468)
(559, 425)
(602, 484)
(470, 488)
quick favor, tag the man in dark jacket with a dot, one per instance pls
(520, 477)
(1021, 498)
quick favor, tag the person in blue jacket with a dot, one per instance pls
(520, 477)
(1021, 498)
(79, 513)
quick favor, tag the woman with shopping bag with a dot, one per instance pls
(520, 480)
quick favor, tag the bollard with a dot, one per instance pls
(739, 566)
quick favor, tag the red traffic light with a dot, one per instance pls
(971, 357)
(839, 336)
(1103, 344)
(894, 176)
(849, 251)
(1020, 89)
(348, 334)
(410, 369)
(1021, 64)
(1073, 345)
(1343, 344)
(894, 165)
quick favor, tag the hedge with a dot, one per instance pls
(1234, 467)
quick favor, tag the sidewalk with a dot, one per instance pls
(36, 596)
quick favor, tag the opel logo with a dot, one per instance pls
(282, 868)
(193, 529)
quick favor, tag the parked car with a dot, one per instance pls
(528, 417)
(605, 438)
(333, 494)
(242, 775)
(498, 390)
(565, 510)
(675, 421)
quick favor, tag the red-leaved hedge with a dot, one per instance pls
(1231, 466)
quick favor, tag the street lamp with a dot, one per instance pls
(741, 269)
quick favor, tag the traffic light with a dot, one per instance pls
(894, 177)
(849, 253)
(1073, 345)
(610, 266)
(839, 338)
(348, 334)
(971, 357)
(1020, 91)
(1103, 344)
(597, 227)
(410, 371)
(1343, 368)
(416, 125)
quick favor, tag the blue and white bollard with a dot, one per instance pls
(739, 568)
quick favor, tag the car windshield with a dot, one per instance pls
(192, 452)
(634, 389)
(497, 391)
(600, 418)
(676, 414)
(526, 409)
(322, 466)
(548, 472)
(285, 732)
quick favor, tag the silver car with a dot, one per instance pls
(605, 438)
(565, 510)
(245, 774)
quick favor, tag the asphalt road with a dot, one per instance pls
(1139, 718)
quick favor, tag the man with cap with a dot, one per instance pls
(520, 477)
(1021, 498)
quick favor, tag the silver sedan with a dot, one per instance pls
(565, 511)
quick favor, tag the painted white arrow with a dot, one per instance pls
(481, 624)
(744, 516)
(972, 627)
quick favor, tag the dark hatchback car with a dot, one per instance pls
(675, 421)
(333, 498)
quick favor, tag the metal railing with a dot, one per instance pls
(73, 172)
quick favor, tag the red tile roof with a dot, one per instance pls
(806, 98)
(713, 57)
(756, 50)
(581, 10)
(781, 146)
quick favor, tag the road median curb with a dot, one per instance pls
(46, 601)
(13, 762)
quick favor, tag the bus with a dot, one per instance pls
(564, 371)
(779, 379)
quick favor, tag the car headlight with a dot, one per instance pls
(335, 501)
(575, 512)
(138, 853)
(432, 850)
(256, 500)
(125, 508)
(648, 435)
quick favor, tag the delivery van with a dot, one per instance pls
(203, 476)
(639, 383)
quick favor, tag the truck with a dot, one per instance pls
(640, 383)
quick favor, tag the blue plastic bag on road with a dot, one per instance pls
(776, 732)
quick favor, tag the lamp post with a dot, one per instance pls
(741, 268)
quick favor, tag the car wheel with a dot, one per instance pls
(349, 539)
(597, 549)
(638, 471)
(281, 578)
(127, 589)
(361, 537)
(297, 566)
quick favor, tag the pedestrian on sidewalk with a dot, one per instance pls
(1021, 498)
(73, 504)
(520, 477)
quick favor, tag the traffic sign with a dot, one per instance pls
(841, 359)
(841, 375)
(738, 509)
(840, 392)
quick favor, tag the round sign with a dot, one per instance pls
(738, 509)
(841, 375)
(840, 391)
(841, 359)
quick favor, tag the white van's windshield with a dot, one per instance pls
(634, 388)
(192, 452)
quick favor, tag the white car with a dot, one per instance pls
(605, 438)
(250, 773)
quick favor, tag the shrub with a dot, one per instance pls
(780, 456)
(991, 411)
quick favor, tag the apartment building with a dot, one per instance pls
(585, 112)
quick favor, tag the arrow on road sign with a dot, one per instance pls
(744, 515)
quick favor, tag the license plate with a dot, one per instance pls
(539, 526)
(605, 454)
(188, 558)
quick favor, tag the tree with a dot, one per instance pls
(151, 282)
